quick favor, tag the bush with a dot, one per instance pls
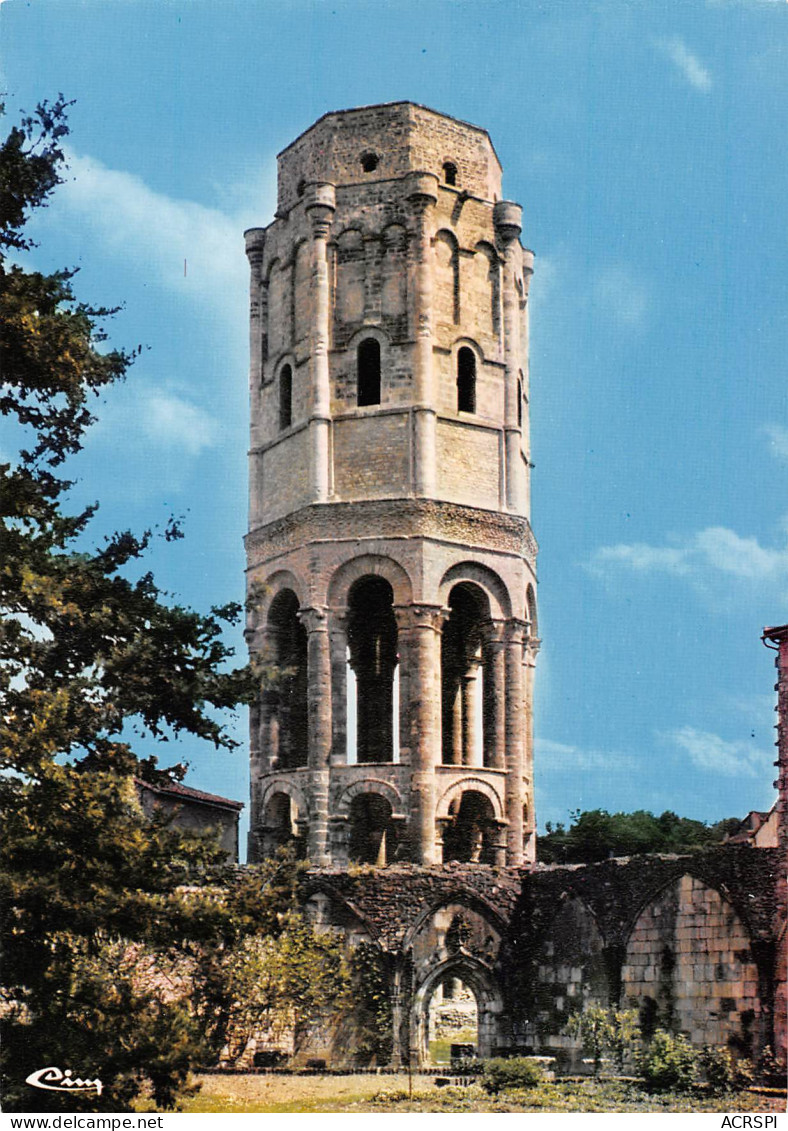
(723, 1072)
(669, 1064)
(501, 1074)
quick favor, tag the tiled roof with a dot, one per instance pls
(177, 789)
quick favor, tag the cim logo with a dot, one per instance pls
(53, 1080)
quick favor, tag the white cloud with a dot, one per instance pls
(169, 419)
(552, 756)
(778, 438)
(157, 232)
(688, 64)
(623, 294)
(708, 751)
(713, 550)
(148, 421)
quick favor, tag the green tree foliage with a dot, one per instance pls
(596, 835)
(603, 1030)
(92, 651)
(668, 1063)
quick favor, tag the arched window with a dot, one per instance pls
(450, 173)
(368, 360)
(285, 398)
(466, 380)
(369, 162)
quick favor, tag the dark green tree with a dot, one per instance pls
(92, 651)
(596, 835)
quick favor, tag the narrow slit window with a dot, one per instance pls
(450, 173)
(285, 398)
(466, 380)
(369, 372)
(519, 404)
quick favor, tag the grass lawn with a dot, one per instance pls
(369, 1093)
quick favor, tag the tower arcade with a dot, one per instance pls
(390, 556)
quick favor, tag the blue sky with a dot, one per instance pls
(646, 142)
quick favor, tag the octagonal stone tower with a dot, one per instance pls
(390, 556)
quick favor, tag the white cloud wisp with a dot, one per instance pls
(688, 64)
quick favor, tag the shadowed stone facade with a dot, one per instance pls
(389, 538)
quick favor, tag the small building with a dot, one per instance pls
(194, 809)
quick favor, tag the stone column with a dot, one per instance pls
(419, 627)
(529, 828)
(320, 207)
(516, 635)
(507, 217)
(525, 351)
(338, 638)
(494, 695)
(468, 693)
(315, 621)
(424, 196)
(255, 248)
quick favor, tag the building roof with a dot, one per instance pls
(186, 793)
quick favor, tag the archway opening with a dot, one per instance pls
(280, 823)
(469, 835)
(465, 727)
(452, 1021)
(372, 655)
(287, 699)
(372, 834)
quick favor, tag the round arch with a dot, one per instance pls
(272, 586)
(371, 785)
(374, 565)
(477, 785)
(489, 1003)
(485, 579)
(291, 790)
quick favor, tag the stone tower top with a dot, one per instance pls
(380, 143)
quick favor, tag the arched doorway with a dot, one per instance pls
(479, 986)
(470, 832)
(452, 1021)
(372, 833)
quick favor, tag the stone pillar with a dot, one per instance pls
(525, 351)
(315, 620)
(255, 247)
(338, 639)
(507, 217)
(494, 695)
(516, 635)
(419, 626)
(468, 693)
(424, 196)
(529, 828)
(320, 207)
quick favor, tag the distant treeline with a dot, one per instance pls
(596, 835)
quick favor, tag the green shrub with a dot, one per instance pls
(501, 1074)
(668, 1064)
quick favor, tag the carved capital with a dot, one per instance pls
(421, 616)
(314, 619)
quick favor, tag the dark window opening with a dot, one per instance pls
(369, 372)
(369, 162)
(301, 187)
(287, 696)
(450, 173)
(372, 642)
(470, 832)
(285, 398)
(519, 404)
(372, 833)
(466, 380)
